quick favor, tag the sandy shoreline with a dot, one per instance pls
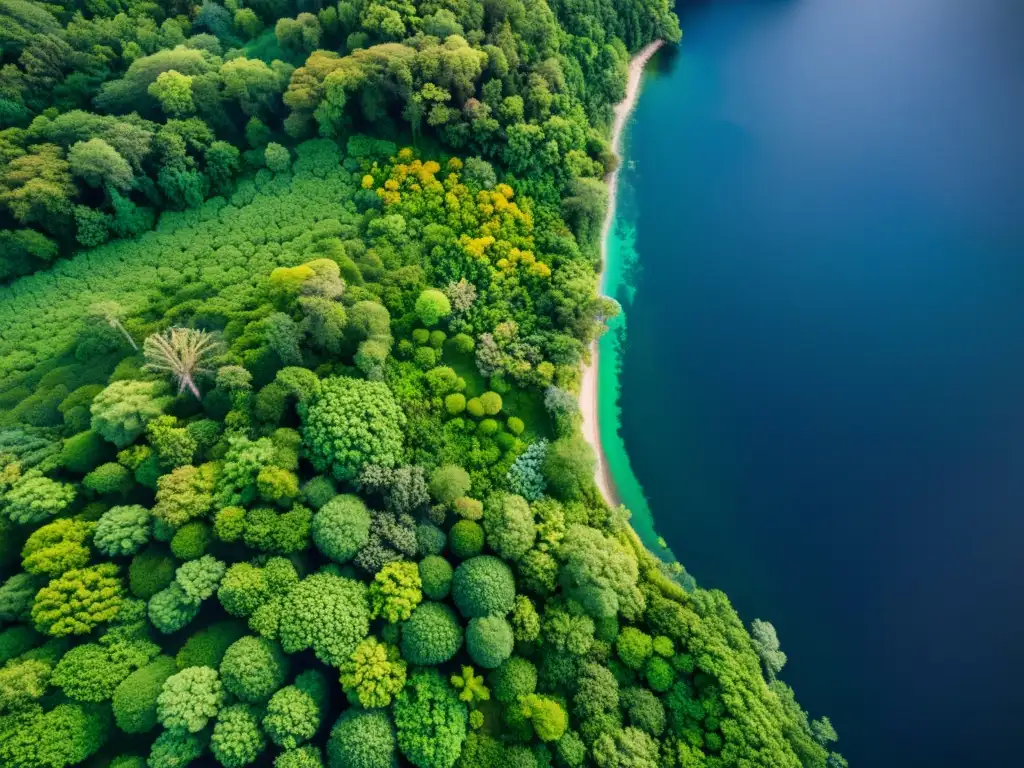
(588, 387)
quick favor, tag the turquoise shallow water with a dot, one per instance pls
(820, 251)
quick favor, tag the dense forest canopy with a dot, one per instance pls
(291, 469)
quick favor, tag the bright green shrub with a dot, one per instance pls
(302, 757)
(569, 467)
(395, 591)
(191, 541)
(634, 647)
(127, 761)
(134, 700)
(432, 635)
(189, 699)
(483, 586)
(121, 411)
(91, 672)
(644, 710)
(278, 158)
(318, 491)
(430, 539)
(448, 483)
(294, 713)
(34, 498)
(489, 640)
(171, 609)
(84, 452)
(243, 589)
(432, 306)
(57, 547)
(185, 494)
(327, 613)
(253, 668)
(455, 403)
(175, 749)
(206, 648)
(16, 640)
(123, 530)
(466, 539)
(109, 478)
(16, 596)
(469, 509)
(430, 721)
(435, 576)
(514, 678)
(515, 425)
(66, 735)
(341, 527)
(475, 408)
(508, 522)
(600, 573)
(546, 715)
(491, 402)
(237, 739)
(150, 571)
(362, 739)
(268, 530)
(373, 674)
(659, 674)
(229, 524)
(78, 601)
(199, 578)
(352, 423)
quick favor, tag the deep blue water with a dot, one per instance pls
(823, 384)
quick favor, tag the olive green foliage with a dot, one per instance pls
(483, 586)
(341, 527)
(430, 721)
(135, 698)
(431, 306)
(352, 423)
(123, 530)
(190, 698)
(362, 739)
(373, 674)
(78, 601)
(432, 635)
(16, 596)
(253, 668)
(68, 734)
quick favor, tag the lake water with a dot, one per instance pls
(821, 253)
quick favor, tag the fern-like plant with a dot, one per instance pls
(182, 352)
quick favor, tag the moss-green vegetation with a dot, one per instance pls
(289, 468)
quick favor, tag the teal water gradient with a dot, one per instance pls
(822, 383)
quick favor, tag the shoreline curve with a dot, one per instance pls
(588, 398)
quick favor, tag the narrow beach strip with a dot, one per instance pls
(589, 385)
